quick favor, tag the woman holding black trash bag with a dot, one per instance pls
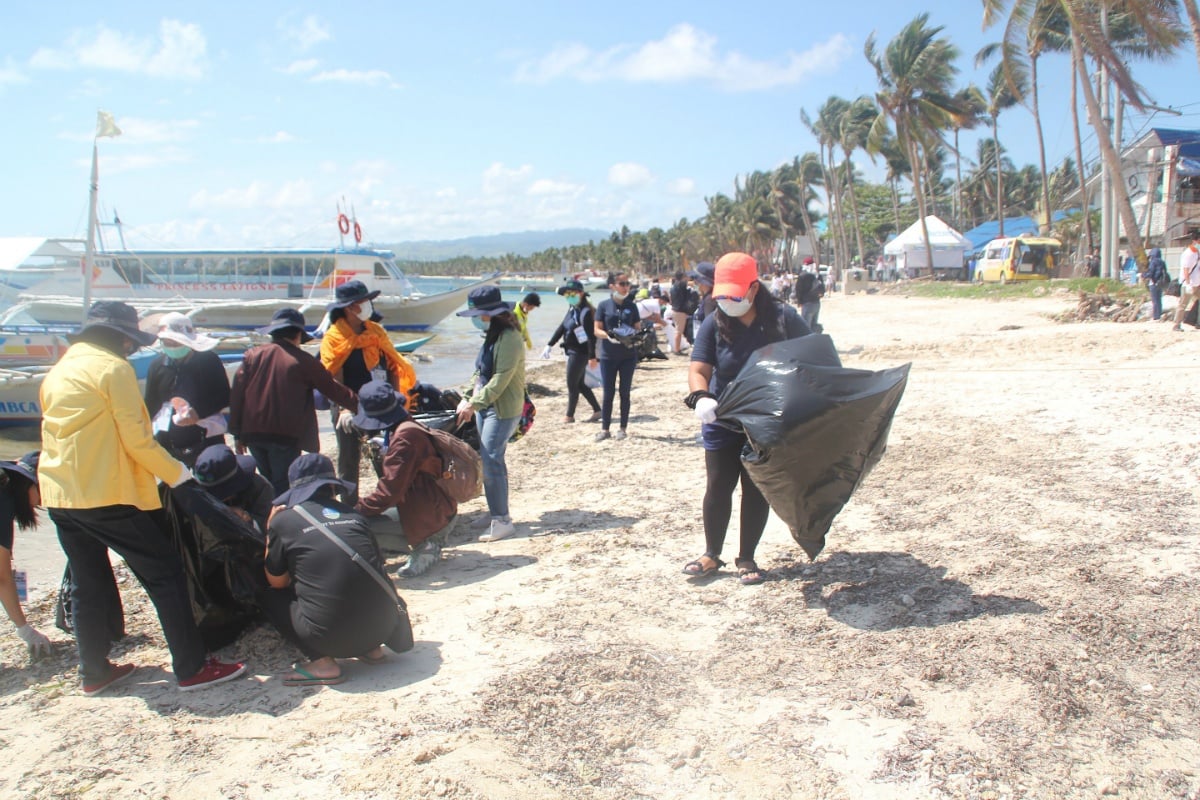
(747, 318)
(579, 342)
(617, 320)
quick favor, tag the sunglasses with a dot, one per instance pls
(620, 283)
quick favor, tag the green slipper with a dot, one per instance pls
(308, 679)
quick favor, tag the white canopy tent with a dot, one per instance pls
(949, 246)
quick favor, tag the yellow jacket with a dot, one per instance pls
(97, 446)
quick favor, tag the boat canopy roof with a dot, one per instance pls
(16, 250)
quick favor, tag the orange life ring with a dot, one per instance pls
(357, 233)
(343, 224)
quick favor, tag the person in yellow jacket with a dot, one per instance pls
(97, 479)
(356, 350)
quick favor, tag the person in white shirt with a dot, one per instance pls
(1189, 279)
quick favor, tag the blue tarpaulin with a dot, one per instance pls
(1013, 226)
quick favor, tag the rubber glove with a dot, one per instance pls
(35, 640)
(214, 425)
(345, 423)
(706, 410)
(546, 353)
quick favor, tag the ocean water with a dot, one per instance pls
(447, 361)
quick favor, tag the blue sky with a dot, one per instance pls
(244, 124)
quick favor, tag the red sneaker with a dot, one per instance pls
(118, 673)
(212, 673)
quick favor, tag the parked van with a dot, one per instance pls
(1021, 258)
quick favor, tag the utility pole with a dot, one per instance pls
(1106, 204)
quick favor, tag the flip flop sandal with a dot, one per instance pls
(749, 573)
(308, 679)
(696, 569)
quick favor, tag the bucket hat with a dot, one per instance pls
(349, 293)
(379, 406)
(283, 319)
(26, 466)
(703, 273)
(306, 475)
(221, 472)
(177, 328)
(571, 286)
(485, 301)
(117, 316)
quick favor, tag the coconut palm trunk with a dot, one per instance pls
(1083, 193)
(1047, 212)
(999, 173)
(914, 155)
(1193, 15)
(858, 239)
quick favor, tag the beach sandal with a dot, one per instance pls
(306, 678)
(748, 572)
(374, 661)
(696, 569)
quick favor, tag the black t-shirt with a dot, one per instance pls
(8, 519)
(613, 316)
(332, 592)
(354, 371)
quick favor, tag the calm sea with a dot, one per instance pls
(446, 362)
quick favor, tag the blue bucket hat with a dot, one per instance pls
(223, 473)
(26, 466)
(306, 475)
(571, 286)
(117, 316)
(349, 293)
(485, 301)
(283, 319)
(705, 272)
(379, 407)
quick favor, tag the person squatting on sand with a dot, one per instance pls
(579, 343)
(747, 318)
(19, 499)
(355, 350)
(497, 399)
(232, 479)
(409, 483)
(321, 600)
(97, 479)
(271, 408)
(616, 314)
(187, 390)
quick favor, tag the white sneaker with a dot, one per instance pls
(498, 531)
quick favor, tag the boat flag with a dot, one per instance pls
(105, 125)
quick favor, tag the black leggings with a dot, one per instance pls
(577, 361)
(609, 370)
(724, 468)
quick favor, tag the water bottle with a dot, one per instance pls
(22, 585)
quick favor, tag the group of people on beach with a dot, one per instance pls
(324, 585)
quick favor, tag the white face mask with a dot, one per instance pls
(620, 298)
(366, 311)
(735, 308)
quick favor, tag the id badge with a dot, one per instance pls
(581, 335)
(379, 374)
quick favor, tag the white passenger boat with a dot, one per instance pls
(226, 289)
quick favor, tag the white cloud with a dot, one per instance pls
(257, 195)
(629, 175)
(371, 77)
(10, 74)
(681, 186)
(302, 66)
(686, 53)
(116, 163)
(449, 193)
(279, 137)
(309, 33)
(544, 186)
(498, 178)
(179, 51)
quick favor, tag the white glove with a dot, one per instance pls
(184, 477)
(546, 353)
(345, 423)
(215, 425)
(35, 640)
(706, 410)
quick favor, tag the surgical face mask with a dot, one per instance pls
(735, 308)
(572, 299)
(176, 352)
(366, 310)
(620, 298)
(481, 323)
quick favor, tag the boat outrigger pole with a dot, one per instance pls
(105, 126)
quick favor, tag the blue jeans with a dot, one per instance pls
(610, 370)
(494, 434)
(273, 459)
(1155, 300)
(86, 534)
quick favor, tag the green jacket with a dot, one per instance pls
(506, 389)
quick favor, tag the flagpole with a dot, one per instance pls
(90, 251)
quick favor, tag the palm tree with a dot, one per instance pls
(999, 97)
(972, 107)
(1193, 15)
(853, 127)
(916, 74)
(809, 174)
(825, 129)
(897, 168)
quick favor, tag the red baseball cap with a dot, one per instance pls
(734, 274)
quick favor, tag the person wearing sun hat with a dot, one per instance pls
(19, 500)
(97, 476)
(321, 599)
(497, 398)
(187, 389)
(234, 480)
(579, 343)
(409, 482)
(271, 409)
(747, 318)
(355, 350)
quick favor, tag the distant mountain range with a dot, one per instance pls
(519, 244)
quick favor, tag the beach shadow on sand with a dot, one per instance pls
(461, 564)
(882, 591)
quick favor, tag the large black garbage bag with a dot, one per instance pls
(815, 429)
(223, 560)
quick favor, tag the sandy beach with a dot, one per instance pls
(1007, 608)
